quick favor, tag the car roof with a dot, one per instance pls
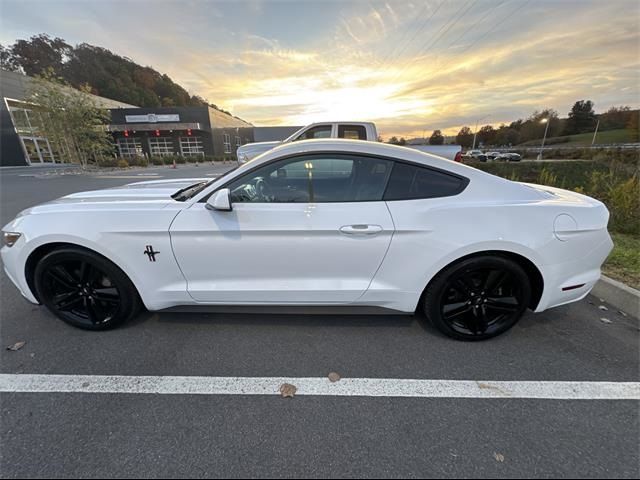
(482, 182)
(363, 147)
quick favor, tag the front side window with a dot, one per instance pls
(315, 178)
(412, 182)
(320, 131)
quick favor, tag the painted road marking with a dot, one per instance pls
(319, 386)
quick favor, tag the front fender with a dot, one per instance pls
(160, 283)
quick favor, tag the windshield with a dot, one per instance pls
(294, 135)
(191, 191)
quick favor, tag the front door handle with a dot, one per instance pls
(361, 229)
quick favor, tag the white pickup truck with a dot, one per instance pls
(350, 130)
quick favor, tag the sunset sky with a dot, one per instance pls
(410, 66)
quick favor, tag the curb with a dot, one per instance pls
(621, 296)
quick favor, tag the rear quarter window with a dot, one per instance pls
(352, 132)
(408, 182)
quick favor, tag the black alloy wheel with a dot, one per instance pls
(85, 289)
(478, 298)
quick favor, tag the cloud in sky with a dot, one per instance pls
(408, 65)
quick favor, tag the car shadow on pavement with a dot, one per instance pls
(285, 319)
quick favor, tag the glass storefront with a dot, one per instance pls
(27, 123)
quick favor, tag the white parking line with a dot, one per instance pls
(137, 177)
(320, 386)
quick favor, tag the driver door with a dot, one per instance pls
(310, 229)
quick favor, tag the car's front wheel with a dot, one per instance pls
(478, 298)
(85, 289)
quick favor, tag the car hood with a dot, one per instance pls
(259, 145)
(251, 150)
(148, 194)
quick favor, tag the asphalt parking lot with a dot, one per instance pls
(58, 434)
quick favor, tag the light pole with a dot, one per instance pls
(595, 133)
(546, 129)
(475, 133)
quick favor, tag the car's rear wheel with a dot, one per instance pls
(478, 298)
(85, 289)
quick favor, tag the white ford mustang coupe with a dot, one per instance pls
(324, 223)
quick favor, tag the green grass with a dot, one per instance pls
(610, 136)
(624, 262)
(570, 175)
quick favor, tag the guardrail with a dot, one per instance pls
(560, 146)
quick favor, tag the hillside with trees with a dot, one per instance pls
(580, 122)
(107, 74)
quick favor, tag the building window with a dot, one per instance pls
(226, 140)
(191, 146)
(130, 147)
(238, 141)
(161, 146)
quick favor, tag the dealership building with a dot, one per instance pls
(186, 131)
(21, 140)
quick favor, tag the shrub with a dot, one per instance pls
(122, 163)
(107, 162)
(624, 205)
(157, 160)
(138, 161)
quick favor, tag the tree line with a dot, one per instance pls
(106, 74)
(581, 119)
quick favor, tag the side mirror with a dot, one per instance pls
(220, 200)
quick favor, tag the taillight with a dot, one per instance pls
(458, 157)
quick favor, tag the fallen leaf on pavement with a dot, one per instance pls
(602, 307)
(605, 320)
(16, 346)
(334, 377)
(622, 313)
(499, 457)
(287, 390)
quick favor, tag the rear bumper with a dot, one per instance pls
(584, 271)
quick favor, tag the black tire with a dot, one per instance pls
(477, 298)
(85, 289)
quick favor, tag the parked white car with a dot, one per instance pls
(347, 130)
(331, 223)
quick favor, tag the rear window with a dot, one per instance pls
(412, 182)
(352, 132)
